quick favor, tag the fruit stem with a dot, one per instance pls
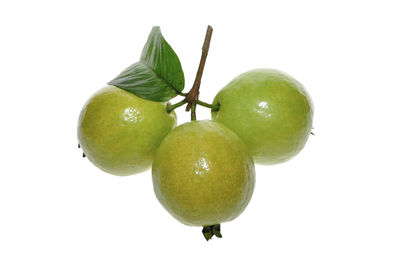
(193, 112)
(193, 95)
(213, 107)
(171, 107)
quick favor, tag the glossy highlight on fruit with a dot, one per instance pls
(270, 111)
(203, 174)
(120, 132)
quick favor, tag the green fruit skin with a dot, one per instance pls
(270, 111)
(203, 174)
(120, 132)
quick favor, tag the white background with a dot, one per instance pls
(336, 203)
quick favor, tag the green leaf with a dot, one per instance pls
(158, 76)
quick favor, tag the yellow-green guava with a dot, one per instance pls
(269, 110)
(120, 132)
(203, 174)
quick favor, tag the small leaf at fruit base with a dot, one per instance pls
(158, 76)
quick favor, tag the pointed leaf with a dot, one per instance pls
(158, 76)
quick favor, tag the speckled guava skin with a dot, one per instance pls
(120, 132)
(270, 111)
(203, 174)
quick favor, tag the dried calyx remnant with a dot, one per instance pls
(212, 230)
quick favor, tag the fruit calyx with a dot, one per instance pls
(211, 230)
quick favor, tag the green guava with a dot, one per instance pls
(269, 110)
(203, 174)
(120, 132)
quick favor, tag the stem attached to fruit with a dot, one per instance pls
(193, 112)
(171, 107)
(213, 107)
(193, 95)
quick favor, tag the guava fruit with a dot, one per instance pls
(203, 174)
(119, 132)
(269, 110)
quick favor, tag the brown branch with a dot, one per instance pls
(193, 94)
